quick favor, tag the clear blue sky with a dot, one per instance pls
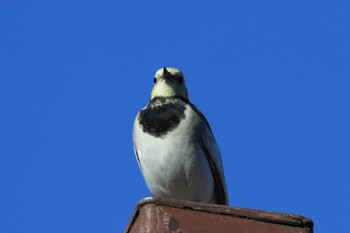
(272, 77)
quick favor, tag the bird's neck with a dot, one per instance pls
(161, 100)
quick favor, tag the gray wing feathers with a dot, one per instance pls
(212, 153)
(133, 140)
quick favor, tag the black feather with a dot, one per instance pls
(162, 115)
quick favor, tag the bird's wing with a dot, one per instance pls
(134, 144)
(212, 153)
(138, 159)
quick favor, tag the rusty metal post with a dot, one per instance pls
(161, 215)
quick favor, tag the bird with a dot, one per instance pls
(174, 144)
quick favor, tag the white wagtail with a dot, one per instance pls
(175, 146)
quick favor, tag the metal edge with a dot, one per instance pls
(133, 218)
(258, 215)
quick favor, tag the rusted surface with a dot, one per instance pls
(154, 215)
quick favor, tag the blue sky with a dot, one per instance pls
(272, 78)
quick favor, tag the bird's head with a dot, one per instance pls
(169, 82)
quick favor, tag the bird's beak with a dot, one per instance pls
(166, 75)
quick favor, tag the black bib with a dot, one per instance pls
(162, 115)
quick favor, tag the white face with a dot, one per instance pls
(169, 82)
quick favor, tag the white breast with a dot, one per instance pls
(174, 165)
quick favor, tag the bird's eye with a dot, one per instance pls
(154, 80)
(181, 79)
